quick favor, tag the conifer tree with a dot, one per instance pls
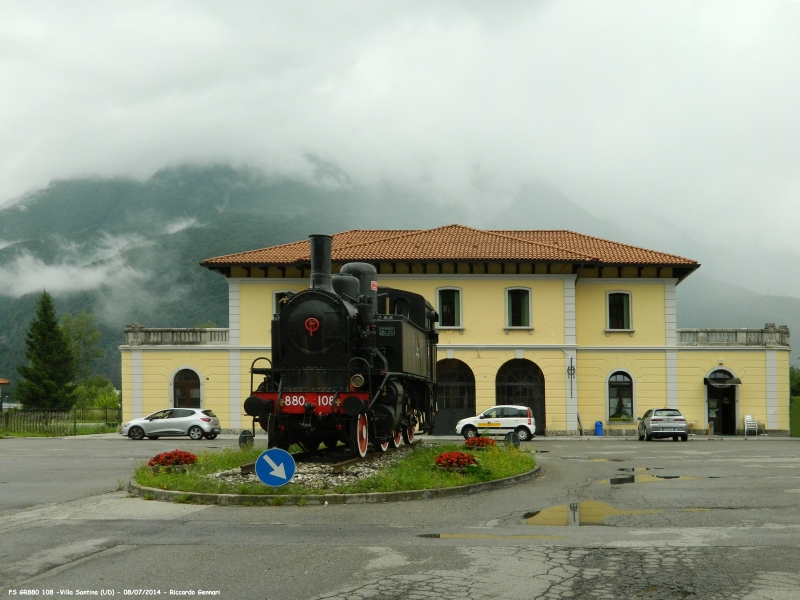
(48, 381)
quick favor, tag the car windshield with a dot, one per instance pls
(667, 413)
(209, 413)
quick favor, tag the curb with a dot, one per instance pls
(322, 499)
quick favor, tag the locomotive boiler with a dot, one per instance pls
(352, 362)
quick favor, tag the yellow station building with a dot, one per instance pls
(579, 328)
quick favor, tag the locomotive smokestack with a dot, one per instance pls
(321, 263)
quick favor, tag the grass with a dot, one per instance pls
(81, 429)
(416, 471)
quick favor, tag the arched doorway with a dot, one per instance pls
(521, 382)
(455, 395)
(721, 394)
(186, 389)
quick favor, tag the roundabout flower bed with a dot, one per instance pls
(480, 442)
(455, 460)
(413, 468)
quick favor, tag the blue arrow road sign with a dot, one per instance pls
(275, 467)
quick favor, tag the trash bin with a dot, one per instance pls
(598, 428)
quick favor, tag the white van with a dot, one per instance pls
(500, 420)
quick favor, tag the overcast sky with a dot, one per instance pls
(665, 114)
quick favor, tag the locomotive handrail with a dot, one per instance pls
(252, 364)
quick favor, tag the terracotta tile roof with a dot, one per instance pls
(4, 381)
(458, 243)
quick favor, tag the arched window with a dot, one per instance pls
(455, 385)
(186, 389)
(620, 397)
(521, 382)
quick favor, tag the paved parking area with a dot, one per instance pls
(609, 519)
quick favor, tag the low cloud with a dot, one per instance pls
(80, 269)
(180, 225)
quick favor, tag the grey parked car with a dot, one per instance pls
(663, 422)
(194, 422)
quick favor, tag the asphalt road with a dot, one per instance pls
(710, 519)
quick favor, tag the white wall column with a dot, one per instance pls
(570, 338)
(571, 389)
(772, 389)
(234, 338)
(235, 388)
(569, 311)
(672, 378)
(136, 384)
(670, 313)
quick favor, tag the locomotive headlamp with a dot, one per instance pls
(357, 380)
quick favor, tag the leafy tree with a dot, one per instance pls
(794, 381)
(48, 381)
(97, 391)
(83, 336)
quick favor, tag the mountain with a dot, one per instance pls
(128, 251)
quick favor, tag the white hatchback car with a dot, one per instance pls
(197, 423)
(500, 420)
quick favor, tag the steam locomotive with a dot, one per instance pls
(351, 362)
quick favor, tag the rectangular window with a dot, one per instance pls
(619, 311)
(449, 308)
(519, 308)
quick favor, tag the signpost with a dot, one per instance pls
(275, 467)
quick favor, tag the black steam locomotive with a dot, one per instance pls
(351, 362)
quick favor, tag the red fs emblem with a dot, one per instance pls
(311, 326)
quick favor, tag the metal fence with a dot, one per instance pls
(46, 422)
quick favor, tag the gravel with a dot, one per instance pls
(317, 473)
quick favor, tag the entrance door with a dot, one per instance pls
(721, 403)
(521, 382)
(455, 395)
(186, 389)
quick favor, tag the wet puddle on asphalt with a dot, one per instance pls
(622, 479)
(631, 469)
(587, 513)
(596, 460)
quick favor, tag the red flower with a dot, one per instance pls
(455, 460)
(174, 457)
(480, 442)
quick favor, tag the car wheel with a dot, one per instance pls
(523, 434)
(648, 437)
(195, 432)
(136, 433)
(685, 438)
(210, 436)
(469, 432)
(152, 437)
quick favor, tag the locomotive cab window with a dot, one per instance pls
(449, 305)
(276, 301)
